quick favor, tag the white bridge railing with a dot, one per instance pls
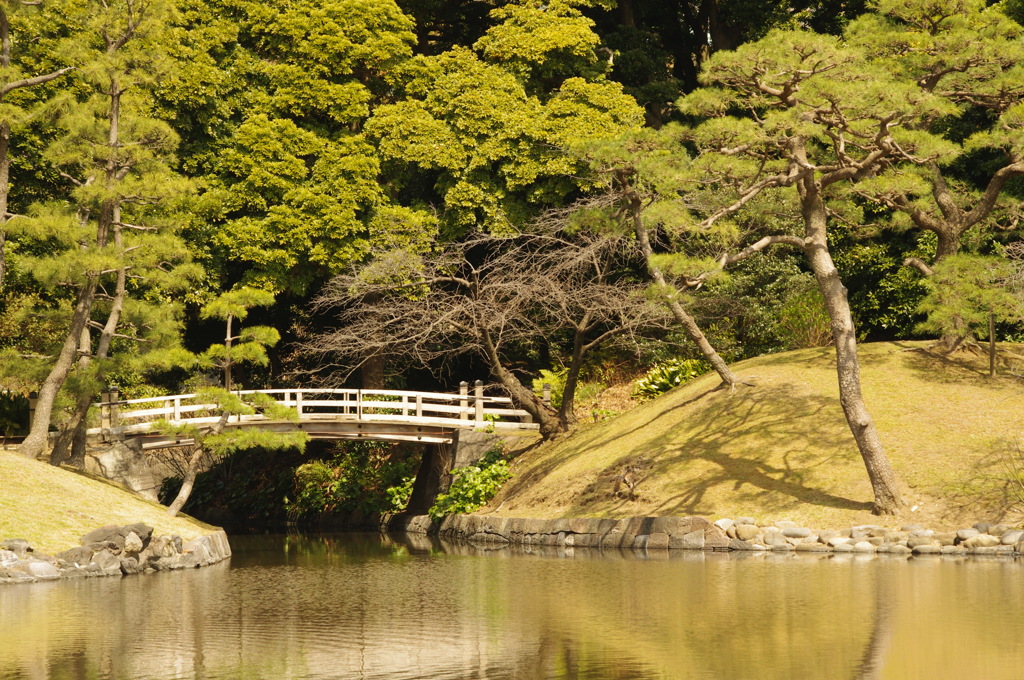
(465, 410)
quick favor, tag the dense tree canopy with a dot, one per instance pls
(836, 169)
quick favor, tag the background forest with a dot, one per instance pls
(413, 193)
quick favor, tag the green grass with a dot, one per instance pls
(782, 450)
(52, 508)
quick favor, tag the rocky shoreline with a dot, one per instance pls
(739, 535)
(111, 551)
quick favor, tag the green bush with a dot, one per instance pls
(668, 374)
(472, 486)
(554, 378)
(368, 477)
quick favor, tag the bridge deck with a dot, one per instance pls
(392, 415)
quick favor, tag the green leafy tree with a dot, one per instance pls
(644, 175)
(13, 113)
(971, 56)
(116, 158)
(481, 132)
(247, 346)
(275, 109)
(803, 115)
(966, 291)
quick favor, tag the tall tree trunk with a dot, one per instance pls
(74, 435)
(880, 472)
(566, 410)
(62, 445)
(371, 374)
(5, 169)
(688, 323)
(36, 442)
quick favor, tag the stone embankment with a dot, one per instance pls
(111, 551)
(742, 534)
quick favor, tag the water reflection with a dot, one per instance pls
(358, 606)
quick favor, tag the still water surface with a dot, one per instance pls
(364, 606)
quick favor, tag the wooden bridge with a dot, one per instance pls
(391, 415)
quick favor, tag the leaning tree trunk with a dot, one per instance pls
(62, 445)
(75, 434)
(550, 425)
(688, 323)
(188, 480)
(192, 470)
(36, 441)
(880, 472)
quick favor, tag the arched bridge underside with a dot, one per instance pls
(389, 415)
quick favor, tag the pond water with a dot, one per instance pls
(366, 606)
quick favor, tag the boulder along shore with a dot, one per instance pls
(111, 551)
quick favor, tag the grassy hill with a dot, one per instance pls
(781, 449)
(52, 508)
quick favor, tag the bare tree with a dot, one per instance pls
(493, 298)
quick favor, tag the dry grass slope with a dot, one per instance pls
(781, 449)
(52, 508)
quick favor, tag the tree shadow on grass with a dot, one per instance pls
(955, 368)
(771, 444)
(992, 487)
(776, 445)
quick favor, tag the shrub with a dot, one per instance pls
(369, 477)
(472, 486)
(668, 374)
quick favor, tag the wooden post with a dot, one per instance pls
(115, 415)
(991, 345)
(546, 394)
(463, 401)
(298, 402)
(176, 414)
(33, 399)
(359, 404)
(104, 410)
(419, 406)
(478, 400)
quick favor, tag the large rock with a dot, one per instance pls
(964, 534)
(132, 544)
(126, 464)
(691, 541)
(920, 541)
(1011, 537)
(18, 546)
(39, 569)
(8, 558)
(981, 541)
(76, 556)
(108, 562)
(747, 532)
(796, 532)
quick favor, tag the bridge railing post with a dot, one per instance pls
(115, 412)
(463, 400)
(419, 406)
(478, 401)
(298, 402)
(176, 409)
